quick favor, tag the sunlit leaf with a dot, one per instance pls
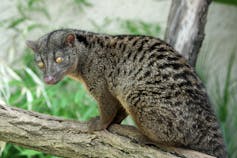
(29, 153)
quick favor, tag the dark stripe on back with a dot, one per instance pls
(154, 46)
(82, 39)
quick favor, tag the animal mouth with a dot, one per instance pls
(54, 79)
(51, 80)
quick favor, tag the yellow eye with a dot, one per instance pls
(41, 64)
(59, 60)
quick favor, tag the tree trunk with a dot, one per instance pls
(185, 28)
(68, 138)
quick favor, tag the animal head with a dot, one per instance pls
(56, 53)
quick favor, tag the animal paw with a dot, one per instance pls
(95, 124)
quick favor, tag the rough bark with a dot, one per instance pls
(68, 138)
(186, 24)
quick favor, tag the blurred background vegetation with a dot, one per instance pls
(21, 85)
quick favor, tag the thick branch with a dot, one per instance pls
(186, 24)
(67, 138)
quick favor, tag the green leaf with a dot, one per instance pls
(29, 153)
(32, 2)
(226, 94)
(83, 2)
(16, 22)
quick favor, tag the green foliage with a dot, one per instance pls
(226, 101)
(17, 152)
(24, 10)
(223, 100)
(231, 2)
(135, 27)
(82, 3)
(140, 27)
(223, 95)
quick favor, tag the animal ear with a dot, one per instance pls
(70, 39)
(32, 45)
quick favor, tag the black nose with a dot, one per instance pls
(49, 80)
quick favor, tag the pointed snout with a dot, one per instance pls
(50, 80)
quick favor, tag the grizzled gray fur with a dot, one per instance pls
(137, 75)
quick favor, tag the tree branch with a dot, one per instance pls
(68, 138)
(186, 24)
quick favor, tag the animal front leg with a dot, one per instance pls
(108, 107)
(120, 116)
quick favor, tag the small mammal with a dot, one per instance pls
(137, 75)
